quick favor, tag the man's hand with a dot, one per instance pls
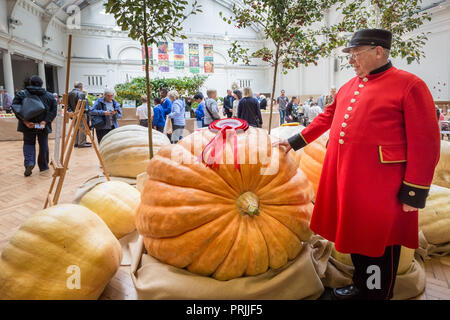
(29, 124)
(43, 123)
(107, 113)
(407, 208)
(283, 144)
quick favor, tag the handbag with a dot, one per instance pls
(30, 108)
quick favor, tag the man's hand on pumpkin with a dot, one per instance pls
(284, 144)
(408, 208)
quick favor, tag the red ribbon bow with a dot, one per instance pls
(217, 146)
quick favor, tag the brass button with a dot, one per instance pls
(361, 85)
(346, 116)
(365, 79)
(344, 124)
(349, 108)
(353, 100)
(412, 193)
(341, 141)
(356, 93)
(342, 133)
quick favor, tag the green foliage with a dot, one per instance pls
(186, 86)
(91, 99)
(400, 17)
(162, 22)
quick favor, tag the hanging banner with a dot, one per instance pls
(163, 57)
(150, 57)
(208, 58)
(194, 62)
(178, 55)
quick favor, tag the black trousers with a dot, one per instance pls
(101, 133)
(29, 149)
(375, 277)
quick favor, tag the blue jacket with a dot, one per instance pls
(200, 111)
(177, 114)
(97, 111)
(167, 106)
(158, 116)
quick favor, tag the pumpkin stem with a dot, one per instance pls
(248, 203)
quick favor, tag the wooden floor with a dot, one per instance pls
(22, 196)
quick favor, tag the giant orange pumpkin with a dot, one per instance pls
(312, 159)
(224, 222)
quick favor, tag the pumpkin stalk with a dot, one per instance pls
(248, 204)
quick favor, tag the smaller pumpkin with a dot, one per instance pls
(63, 252)
(116, 203)
(406, 258)
(140, 181)
(442, 171)
(125, 150)
(434, 219)
(311, 162)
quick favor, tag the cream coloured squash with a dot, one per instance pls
(63, 252)
(125, 150)
(434, 219)
(286, 131)
(442, 171)
(225, 223)
(116, 203)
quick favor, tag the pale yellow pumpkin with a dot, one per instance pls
(434, 219)
(116, 203)
(140, 181)
(406, 259)
(44, 258)
(442, 171)
(125, 150)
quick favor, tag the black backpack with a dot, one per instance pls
(30, 108)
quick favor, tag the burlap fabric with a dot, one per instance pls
(303, 278)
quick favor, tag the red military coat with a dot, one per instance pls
(383, 148)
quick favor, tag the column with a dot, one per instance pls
(41, 71)
(8, 73)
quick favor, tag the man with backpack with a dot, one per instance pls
(35, 97)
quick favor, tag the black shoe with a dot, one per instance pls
(347, 293)
(28, 170)
(42, 170)
(327, 294)
(84, 146)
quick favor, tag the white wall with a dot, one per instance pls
(3, 16)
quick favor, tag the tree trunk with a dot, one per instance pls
(274, 84)
(147, 82)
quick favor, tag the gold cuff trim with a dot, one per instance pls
(415, 185)
(384, 161)
(303, 138)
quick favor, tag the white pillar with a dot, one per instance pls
(8, 73)
(41, 71)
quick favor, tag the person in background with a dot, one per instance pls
(39, 127)
(263, 102)
(228, 104)
(177, 115)
(200, 111)
(237, 94)
(142, 112)
(159, 121)
(313, 112)
(5, 100)
(292, 114)
(326, 100)
(258, 97)
(74, 96)
(56, 96)
(282, 102)
(105, 112)
(305, 109)
(248, 109)
(165, 103)
(211, 109)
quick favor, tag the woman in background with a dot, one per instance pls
(248, 109)
(237, 96)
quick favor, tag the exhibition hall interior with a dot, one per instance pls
(225, 150)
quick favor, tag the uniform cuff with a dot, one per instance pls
(413, 195)
(297, 141)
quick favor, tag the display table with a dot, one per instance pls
(8, 130)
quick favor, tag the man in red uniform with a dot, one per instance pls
(383, 148)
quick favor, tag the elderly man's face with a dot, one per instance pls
(109, 97)
(333, 92)
(364, 59)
